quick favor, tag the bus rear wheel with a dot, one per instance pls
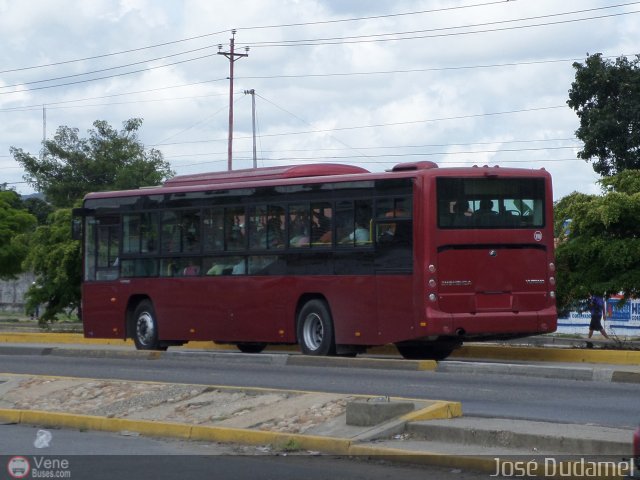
(315, 329)
(251, 347)
(145, 327)
(426, 351)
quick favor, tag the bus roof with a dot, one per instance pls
(311, 174)
(266, 173)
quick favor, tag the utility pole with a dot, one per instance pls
(232, 57)
(252, 92)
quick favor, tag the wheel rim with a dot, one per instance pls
(145, 328)
(313, 331)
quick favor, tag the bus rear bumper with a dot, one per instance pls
(491, 324)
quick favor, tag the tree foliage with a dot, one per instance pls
(55, 259)
(606, 98)
(71, 166)
(599, 240)
(15, 220)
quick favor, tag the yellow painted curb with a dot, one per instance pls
(50, 337)
(332, 445)
(505, 352)
(438, 410)
(284, 441)
(497, 352)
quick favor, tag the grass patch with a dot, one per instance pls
(291, 445)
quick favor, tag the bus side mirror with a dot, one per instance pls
(78, 215)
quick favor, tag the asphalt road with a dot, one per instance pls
(98, 455)
(506, 396)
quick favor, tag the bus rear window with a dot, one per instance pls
(465, 203)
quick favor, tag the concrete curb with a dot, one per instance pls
(595, 374)
(381, 363)
(326, 445)
(582, 373)
(263, 358)
(495, 352)
(438, 409)
(540, 354)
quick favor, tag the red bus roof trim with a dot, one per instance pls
(362, 174)
(267, 173)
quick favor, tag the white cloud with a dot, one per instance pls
(192, 120)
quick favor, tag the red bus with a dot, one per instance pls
(331, 257)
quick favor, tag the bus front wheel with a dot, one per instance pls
(315, 329)
(145, 328)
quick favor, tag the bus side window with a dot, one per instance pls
(213, 229)
(393, 216)
(321, 224)
(190, 231)
(299, 225)
(234, 228)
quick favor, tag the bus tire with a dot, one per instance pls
(145, 327)
(315, 329)
(251, 347)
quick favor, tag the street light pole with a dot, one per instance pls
(252, 92)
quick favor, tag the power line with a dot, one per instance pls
(108, 69)
(368, 38)
(343, 40)
(105, 55)
(53, 104)
(374, 17)
(397, 147)
(390, 155)
(484, 24)
(319, 75)
(110, 76)
(359, 161)
(422, 70)
(392, 124)
(197, 37)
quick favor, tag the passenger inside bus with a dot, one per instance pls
(191, 270)
(485, 215)
(461, 213)
(299, 228)
(486, 207)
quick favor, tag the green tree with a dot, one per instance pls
(14, 222)
(38, 208)
(55, 259)
(599, 240)
(606, 98)
(108, 159)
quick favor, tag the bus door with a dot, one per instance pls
(101, 314)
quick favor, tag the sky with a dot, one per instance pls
(364, 82)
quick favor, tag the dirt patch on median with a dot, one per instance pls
(287, 412)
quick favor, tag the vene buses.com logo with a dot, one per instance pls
(18, 467)
(537, 236)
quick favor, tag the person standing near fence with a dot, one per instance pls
(596, 307)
